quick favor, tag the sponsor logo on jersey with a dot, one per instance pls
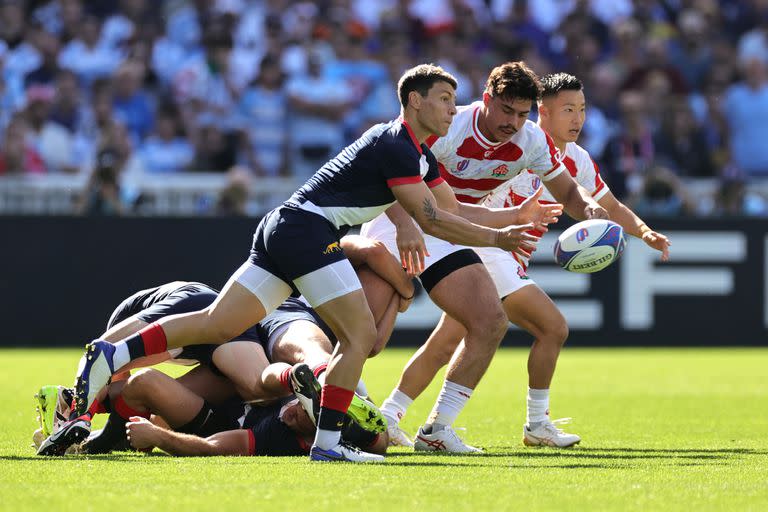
(462, 166)
(331, 248)
(535, 183)
(501, 170)
(582, 234)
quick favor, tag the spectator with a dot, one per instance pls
(87, 56)
(48, 48)
(233, 198)
(746, 104)
(67, 109)
(732, 198)
(50, 139)
(661, 195)
(318, 104)
(681, 144)
(167, 150)
(264, 107)
(215, 149)
(131, 103)
(17, 157)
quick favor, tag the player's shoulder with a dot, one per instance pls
(579, 155)
(394, 135)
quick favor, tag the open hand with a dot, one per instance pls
(532, 211)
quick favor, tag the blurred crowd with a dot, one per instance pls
(676, 89)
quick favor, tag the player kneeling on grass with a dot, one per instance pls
(292, 334)
(184, 423)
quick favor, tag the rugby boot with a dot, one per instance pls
(95, 370)
(343, 452)
(70, 433)
(445, 440)
(548, 434)
(307, 389)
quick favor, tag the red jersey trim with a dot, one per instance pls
(251, 442)
(435, 182)
(481, 185)
(468, 199)
(479, 137)
(405, 180)
(413, 135)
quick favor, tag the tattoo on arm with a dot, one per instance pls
(429, 210)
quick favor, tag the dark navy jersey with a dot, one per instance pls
(269, 435)
(143, 299)
(354, 187)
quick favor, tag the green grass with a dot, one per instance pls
(681, 429)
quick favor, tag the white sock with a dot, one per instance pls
(451, 400)
(327, 439)
(122, 356)
(361, 389)
(538, 407)
(395, 406)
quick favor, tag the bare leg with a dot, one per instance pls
(206, 384)
(152, 390)
(383, 301)
(302, 342)
(246, 365)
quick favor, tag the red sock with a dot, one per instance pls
(148, 341)
(317, 370)
(336, 398)
(125, 411)
(96, 408)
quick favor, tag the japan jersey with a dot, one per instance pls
(354, 187)
(474, 166)
(578, 163)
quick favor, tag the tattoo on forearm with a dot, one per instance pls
(429, 210)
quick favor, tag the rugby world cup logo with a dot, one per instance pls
(582, 234)
(535, 183)
(462, 166)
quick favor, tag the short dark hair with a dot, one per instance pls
(513, 80)
(421, 79)
(553, 83)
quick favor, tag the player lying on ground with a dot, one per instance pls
(296, 249)
(562, 111)
(184, 423)
(291, 334)
(489, 142)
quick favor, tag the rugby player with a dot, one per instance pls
(490, 142)
(296, 250)
(562, 112)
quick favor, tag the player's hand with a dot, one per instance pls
(517, 239)
(657, 241)
(413, 250)
(595, 212)
(140, 432)
(531, 210)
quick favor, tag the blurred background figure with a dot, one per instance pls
(102, 194)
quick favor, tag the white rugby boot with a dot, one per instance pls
(398, 437)
(445, 440)
(548, 434)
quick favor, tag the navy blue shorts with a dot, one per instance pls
(290, 243)
(291, 310)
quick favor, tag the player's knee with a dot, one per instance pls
(142, 383)
(558, 332)
(492, 325)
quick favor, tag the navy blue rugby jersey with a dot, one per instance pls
(354, 186)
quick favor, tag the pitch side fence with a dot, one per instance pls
(60, 277)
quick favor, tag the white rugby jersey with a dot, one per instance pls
(474, 166)
(578, 163)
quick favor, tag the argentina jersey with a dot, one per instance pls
(354, 187)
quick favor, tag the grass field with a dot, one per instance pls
(678, 429)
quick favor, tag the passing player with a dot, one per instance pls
(562, 111)
(489, 143)
(296, 250)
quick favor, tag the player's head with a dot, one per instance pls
(562, 108)
(428, 93)
(509, 94)
(296, 418)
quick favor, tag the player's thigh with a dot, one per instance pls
(302, 341)
(240, 361)
(123, 329)
(203, 382)
(350, 318)
(530, 308)
(161, 393)
(378, 292)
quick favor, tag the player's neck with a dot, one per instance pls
(482, 125)
(560, 143)
(419, 131)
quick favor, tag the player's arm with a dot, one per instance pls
(577, 201)
(634, 225)
(530, 211)
(419, 202)
(142, 435)
(364, 251)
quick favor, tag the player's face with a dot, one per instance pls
(438, 108)
(564, 116)
(297, 419)
(504, 117)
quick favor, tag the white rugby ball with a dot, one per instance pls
(590, 246)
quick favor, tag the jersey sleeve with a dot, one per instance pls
(593, 181)
(401, 163)
(433, 177)
(546, 159)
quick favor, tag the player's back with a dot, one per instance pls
(353, 187)
(474, 166)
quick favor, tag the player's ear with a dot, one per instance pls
(543, 110)
(486, 99)
(414, 99)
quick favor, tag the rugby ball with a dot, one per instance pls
(590, 246)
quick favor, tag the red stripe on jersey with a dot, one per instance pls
(251, 443)
(435, 182)
(431, 140)
(476, 129)
(482, 185)
(413, 135)
(507, 152)
(599, 183)
(405, 180)
(570, 164)
(470, 148)
(554, 153)
(520, 260)
(468, 199)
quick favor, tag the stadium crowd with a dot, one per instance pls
(119, 89)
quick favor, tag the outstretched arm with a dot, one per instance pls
(143, 435)
(634, 225)
(577, 201)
